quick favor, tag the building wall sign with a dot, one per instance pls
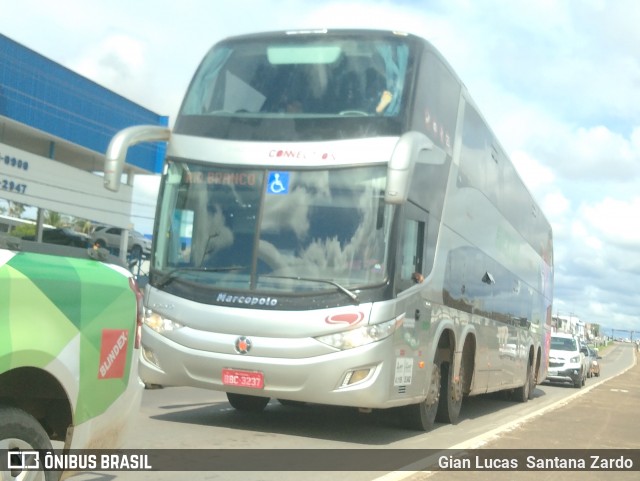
(41, 182)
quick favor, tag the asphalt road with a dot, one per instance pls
(187, 418)
(598, 426)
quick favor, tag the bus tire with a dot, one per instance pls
(422, 416)
(242, 402)
(523, 393)
(450, 394)
(20, 431)
(534, 378)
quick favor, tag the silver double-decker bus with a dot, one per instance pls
(337, 224)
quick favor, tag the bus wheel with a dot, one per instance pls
(523, 393)
(534, 379)
(450, 394)
(242, 402)
(422, 416)
(19, 431)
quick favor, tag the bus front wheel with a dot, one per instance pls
(422, 416)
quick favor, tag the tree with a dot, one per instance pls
(24, 230)
(53, 218)
(84, 226)
(16, 209)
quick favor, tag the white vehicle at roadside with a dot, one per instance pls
(109, 237)
(567, 360)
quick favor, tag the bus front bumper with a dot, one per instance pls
(360, 377)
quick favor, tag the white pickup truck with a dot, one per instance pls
(69, 338)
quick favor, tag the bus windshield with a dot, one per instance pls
(305, 78)
(256, 229)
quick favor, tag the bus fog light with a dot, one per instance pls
(353, 377)
(150, 356)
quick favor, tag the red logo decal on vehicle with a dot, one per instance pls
(350, 318)
(113, 353)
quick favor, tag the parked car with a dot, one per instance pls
(109, 238)
(594, 364)
(567, 362)
(63, 236)
(68, 354)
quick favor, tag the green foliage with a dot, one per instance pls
(84, 226)
(24, 230)
(53, 218)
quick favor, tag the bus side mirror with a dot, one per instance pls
(119, 145)
(406, 153)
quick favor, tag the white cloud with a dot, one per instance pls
(598, 153)
(116, 59)
(615, 220)
(555, 205)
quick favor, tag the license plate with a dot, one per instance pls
(553, 373)
(250, 379)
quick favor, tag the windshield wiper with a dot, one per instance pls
(352, 295)
(172, 274)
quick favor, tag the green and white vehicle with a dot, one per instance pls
(69, 335)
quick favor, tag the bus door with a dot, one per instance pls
(410, 275)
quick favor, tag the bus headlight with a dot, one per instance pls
(362, 335)
(159, 323)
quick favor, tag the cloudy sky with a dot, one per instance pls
(558, 81)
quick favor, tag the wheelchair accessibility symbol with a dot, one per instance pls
(278, 183)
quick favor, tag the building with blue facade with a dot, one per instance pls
(55, 126)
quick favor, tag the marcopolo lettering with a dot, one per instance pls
(246, 300)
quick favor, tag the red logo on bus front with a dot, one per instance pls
(302, 154)
(350, 318)
(113, 353)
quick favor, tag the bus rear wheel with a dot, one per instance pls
(450, 394)
(242, 402)
(523, 393)
(422, 416)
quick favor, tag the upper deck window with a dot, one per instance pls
(254, 80)
(303, 54)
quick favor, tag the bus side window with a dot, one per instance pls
(412, 253)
